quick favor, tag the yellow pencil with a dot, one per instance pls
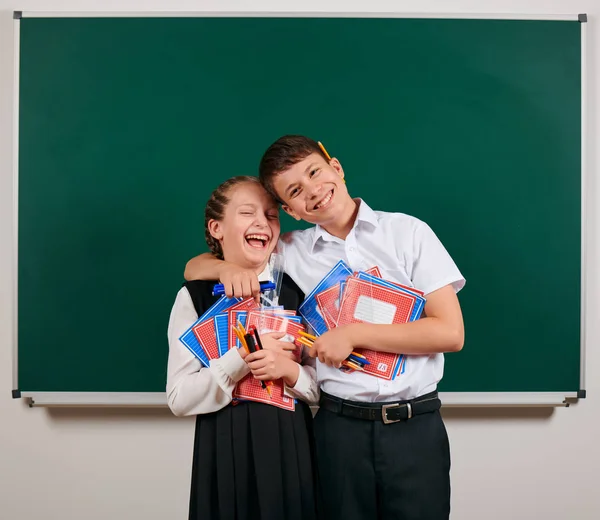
(307, 335)
(305, 342)
(353, 365)
(242, 339)
(324, 151)
(241, 327)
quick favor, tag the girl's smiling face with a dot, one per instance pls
(249, 229)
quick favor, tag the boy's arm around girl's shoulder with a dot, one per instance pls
(237, 281)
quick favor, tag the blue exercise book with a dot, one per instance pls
(398, 372)
(189, 339)
(221, 330)
(310, 309)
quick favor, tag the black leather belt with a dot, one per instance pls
(387, 412)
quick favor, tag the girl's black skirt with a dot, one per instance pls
(254, 461)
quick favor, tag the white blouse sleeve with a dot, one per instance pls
(191, 388)
(306, 387)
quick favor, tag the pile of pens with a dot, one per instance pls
(355, 361)
(251, 343)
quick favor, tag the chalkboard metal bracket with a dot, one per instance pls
(16, 394)
(582, 17)
(569, 400)
(17, 15)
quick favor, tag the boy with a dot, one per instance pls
(382, 448)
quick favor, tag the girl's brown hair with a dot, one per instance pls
(215, 208)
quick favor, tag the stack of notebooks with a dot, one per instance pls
(214, 333)
(343, 297)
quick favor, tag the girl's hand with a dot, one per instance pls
(268, 365)
(271, 341)
(243, 353)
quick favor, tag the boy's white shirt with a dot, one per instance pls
(407, 251)
(193, 389)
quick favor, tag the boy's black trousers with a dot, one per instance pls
(372, 470)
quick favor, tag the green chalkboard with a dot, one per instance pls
(127, 124)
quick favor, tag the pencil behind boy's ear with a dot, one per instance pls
(323, 150)
(327, 155)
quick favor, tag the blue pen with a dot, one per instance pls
(264, 286)
(359, 360)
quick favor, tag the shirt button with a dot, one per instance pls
(351, 249)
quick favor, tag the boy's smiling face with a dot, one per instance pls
(314, 190)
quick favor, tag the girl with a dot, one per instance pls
(251, 461)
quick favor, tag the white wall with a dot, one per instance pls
(129, 464)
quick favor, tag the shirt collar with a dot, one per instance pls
(265, 275)
(365, 214)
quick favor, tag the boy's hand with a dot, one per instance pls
(333, 347)
(239, 282)
(271, 341)
(268, 365)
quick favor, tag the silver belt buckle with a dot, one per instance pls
(385, 408)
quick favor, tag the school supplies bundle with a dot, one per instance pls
(343, 297)
(355, 360)
(251, 327)
(234, 323)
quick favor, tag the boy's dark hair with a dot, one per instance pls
(215, 209)
(282, 155)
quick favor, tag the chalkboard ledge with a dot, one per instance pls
(87, 399)
(507, 399)
(159, 399)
